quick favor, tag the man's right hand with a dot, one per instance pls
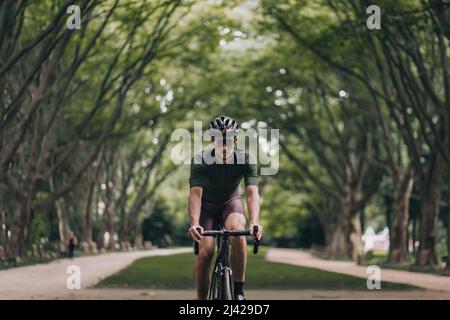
(194, 234)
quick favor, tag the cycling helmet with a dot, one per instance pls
(224, 125)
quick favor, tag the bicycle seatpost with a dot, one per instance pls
(256, 241)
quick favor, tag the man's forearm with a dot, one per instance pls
(194, 207)
(253, 207)
(194, 212)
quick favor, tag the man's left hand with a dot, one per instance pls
(260, 230)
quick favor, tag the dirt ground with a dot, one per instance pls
(48, 281)
(135, 294)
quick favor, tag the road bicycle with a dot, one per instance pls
(221, 287)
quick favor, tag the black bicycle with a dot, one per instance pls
(221, 287)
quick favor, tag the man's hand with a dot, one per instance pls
(260, 231)
(194, 234)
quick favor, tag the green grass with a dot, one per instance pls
(380, 259)
(175, 272)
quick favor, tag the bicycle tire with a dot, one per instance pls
(216, 287)
(227, 293)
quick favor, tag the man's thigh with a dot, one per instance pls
(209, 215)
(233, 216)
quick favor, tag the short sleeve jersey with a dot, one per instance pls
(219, 181)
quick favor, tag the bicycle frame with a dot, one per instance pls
(221, 272)
(221, 287)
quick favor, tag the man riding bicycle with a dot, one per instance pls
(215, 175)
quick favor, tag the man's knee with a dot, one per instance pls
(235, 221)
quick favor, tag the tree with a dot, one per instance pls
(400, 68)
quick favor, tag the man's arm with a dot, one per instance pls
(194, 207)
(253, 204)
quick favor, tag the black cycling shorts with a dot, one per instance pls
(214, 212)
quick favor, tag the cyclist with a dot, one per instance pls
(215, 175)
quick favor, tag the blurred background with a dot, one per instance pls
(364, 117)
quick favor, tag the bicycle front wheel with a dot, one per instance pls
(227, 293)
(215, 291)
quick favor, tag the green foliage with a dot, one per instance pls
(161, 229)
(280, 64)
(38, 229)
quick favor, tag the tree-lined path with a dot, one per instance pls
(349, 124)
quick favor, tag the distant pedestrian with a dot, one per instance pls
(72, 243)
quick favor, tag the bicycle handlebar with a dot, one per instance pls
(233, 233)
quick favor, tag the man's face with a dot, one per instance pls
(224, 147)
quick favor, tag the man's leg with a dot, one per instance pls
(202, 265)
(236, 221)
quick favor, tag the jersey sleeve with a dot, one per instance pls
(196, 178)
(250, 172)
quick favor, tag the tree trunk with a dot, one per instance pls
(107, 224)
(2, 224)
(63, 224)
(337, 247)
(138, 239)
(414, 233)
(87, 217)
(329, 228)
(388, 204)
(110, 205)
(19, 230)
(430, 197)
(398, 251)
(348, 235)
(102, 229)
(355, 237)
(448, 225)
(101, 237)
(63, 220)
(110, 226)
(123, 233)
(427, 230)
